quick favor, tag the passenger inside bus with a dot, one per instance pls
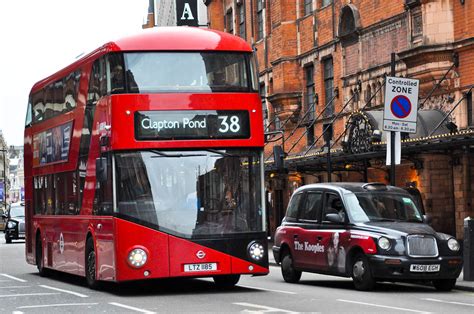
(117, 80)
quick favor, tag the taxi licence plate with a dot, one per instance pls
(200, 267)
(420, 268)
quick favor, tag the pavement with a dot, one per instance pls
(461, 284)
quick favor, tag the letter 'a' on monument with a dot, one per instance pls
(187, 12)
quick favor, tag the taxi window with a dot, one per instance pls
(311, 210)
(292, 211)
(333, 205)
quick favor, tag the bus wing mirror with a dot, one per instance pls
(101, 169)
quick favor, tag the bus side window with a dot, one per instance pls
(38, 106)
(66, 193)
(40, 195)
(29, 116)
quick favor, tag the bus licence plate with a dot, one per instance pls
(200, 267)
(418, 268)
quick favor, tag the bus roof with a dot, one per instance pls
(160, 38)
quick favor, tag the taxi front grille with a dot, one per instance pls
(21, 228)
(422, 246)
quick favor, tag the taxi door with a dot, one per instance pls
(309, 239)
(334, 236)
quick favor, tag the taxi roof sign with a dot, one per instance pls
(401, 104)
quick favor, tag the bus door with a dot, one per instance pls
(104, 224)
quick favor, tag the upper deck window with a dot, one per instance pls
(158, 72)
(56, 98)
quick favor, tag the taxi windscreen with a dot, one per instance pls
(382, 206)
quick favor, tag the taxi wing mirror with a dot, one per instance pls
(336, 218)
(427, 219)
(4, 216)
(101, 169)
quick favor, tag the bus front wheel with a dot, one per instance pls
(92, 282)
(226, 281)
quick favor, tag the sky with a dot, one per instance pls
(40, 37)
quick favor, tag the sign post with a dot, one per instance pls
(401, 105)
(400, 111)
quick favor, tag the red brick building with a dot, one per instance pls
(322, 65)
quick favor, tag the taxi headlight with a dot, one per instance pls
(256, 251)
(453, 244)
(11, 225)
(384, 243)
(137, 258)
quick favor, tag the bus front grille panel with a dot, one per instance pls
(422, 246)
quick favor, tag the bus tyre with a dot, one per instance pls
(444, 284)
(92, 282)
(43, 272)
(226, 281)
(289, 273)
(361, 274)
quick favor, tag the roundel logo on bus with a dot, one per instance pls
(200, 254)
(61, 243)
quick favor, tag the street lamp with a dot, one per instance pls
(4, 151)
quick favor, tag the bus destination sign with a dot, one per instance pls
(192, 124)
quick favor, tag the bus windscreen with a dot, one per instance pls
(192, 194)
(158, 72)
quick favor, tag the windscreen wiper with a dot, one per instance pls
(215, 151)
(161, 154)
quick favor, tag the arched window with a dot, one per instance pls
(349, 21)
(368, 96)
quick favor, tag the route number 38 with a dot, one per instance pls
(229, 124)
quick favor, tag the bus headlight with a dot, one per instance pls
(256, 251)
(453, 245)
(384, 243)
(137, 258)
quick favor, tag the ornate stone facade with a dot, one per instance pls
(433, 41)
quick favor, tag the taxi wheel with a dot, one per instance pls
(444, 284)
(361, 274)
(226, 281)
(7, 239)
(92, 282)
(290, 274)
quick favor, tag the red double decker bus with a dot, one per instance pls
(144, 159)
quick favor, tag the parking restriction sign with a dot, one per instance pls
(401, 105)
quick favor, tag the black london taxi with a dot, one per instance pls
(15, 223)
(368, 231)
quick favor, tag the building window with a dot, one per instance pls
(328, 86)
(368, 96)
(325, 3)
(308, 6)
(277, 122)
(259, 19)
(309, 99)
(470, 113)
(417, 24)
(229, 21)
(242, 21)
(310, 135)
